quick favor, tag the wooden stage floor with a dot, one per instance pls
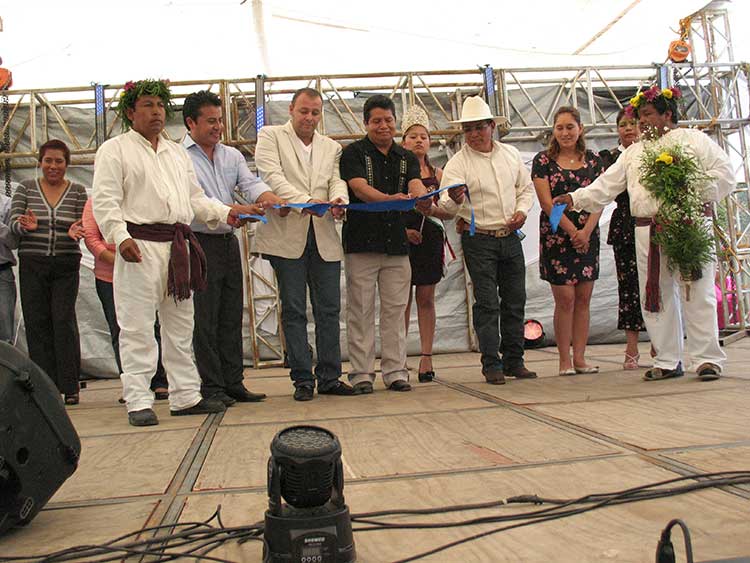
(455, 440)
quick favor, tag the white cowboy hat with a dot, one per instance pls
(476, 109)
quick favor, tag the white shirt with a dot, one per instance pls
(625, 174)
(134, 183)
(306, 149)
(498, 181)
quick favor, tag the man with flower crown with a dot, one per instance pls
(667, 298)
(145, 194)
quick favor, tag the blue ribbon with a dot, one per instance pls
(556, 214)
(256, 217)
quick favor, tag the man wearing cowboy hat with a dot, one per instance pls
(498, 186)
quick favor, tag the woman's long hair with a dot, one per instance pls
(553, 149)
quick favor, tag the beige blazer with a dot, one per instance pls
(283, 166)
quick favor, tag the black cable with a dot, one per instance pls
(198, 539)
(665, 549)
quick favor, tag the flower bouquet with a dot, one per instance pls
(675, 178)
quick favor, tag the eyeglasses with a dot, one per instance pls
(479, 128)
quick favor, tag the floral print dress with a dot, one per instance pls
(559, 262)
(622, 238)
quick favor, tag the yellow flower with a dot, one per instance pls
(634, 101)
(667, 93)
(665, 157)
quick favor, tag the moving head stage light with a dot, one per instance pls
(314, 525)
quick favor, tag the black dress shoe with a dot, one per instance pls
(204, 406)
(144, 417)
(399, 385)
(340, 388)
(303, 393)
(223, 398)
(242, 395)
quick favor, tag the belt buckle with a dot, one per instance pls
(502, 232)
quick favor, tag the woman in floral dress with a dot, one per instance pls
(568, 258)
(622, 238)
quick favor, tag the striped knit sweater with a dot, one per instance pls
(51, 237)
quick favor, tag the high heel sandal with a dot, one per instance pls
(631, 362)
(426, 376)
(73, 399)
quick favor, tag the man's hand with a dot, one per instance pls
(129, 251)
(424, 206)
(308, 212)
(565, 198)
(233, 218)
(76, 230)
(457, 194)
(29, 221)
(268, 199)
(415, 237)
(399, 195)
(517, 221)
(337, 212)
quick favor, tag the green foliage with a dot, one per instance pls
(149, 87)
(675, 178)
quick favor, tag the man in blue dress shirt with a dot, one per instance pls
(217, 336)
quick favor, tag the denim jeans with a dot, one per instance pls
(324, 280)
(7, 304)
(498, 274)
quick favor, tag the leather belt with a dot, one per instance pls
(497, 233)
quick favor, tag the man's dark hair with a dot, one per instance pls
(378, 101)
(310, 92)
(56, 145)
(195, 101)
(661, 105)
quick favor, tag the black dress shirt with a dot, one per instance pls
(377, 232)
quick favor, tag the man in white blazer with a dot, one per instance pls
(302, 166)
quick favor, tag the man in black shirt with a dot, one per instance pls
(375, 247)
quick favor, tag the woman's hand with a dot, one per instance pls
(76, 231)
(580, 240)
(29, 222)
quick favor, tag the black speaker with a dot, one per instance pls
(39, 448)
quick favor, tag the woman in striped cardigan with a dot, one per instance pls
(46, 214)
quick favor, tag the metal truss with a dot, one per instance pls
(717, 98)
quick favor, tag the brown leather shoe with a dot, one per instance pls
(494, 376)
(520, 373)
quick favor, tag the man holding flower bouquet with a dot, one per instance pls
(672, 176)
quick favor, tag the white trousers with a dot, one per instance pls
(698, 313)
(392, 276)
(140, 290)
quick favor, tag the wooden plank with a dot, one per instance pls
(665, 422)
(381, 402)
(114, 420)
(608, 384)
(712, 460)
(54, 530)
(126, 465)
(404, 444)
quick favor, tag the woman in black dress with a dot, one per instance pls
(568, 258)
(622, 238)
(426, 239)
